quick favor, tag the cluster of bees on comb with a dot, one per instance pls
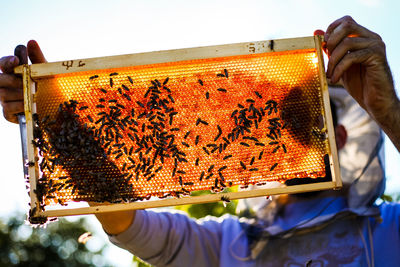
(108, 150)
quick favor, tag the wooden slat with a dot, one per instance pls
(89, 64)
(28, 89)
(188, 200)
(333, 156)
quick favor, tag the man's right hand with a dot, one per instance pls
(11, 94)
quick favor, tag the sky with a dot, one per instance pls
(82, 29)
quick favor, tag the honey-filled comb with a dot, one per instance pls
(146, 130)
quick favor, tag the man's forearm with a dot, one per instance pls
(390, 123)
(116, 222)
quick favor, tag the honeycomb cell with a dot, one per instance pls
(169, 129)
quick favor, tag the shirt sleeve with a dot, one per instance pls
(172, 239)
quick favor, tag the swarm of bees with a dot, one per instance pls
(89, 142)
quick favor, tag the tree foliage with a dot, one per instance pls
(55, 245)
(215, 209)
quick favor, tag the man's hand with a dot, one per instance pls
(11, 95)
(357, 57)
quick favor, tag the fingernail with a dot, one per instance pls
(13, 61)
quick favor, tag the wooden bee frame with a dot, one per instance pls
(36, 72)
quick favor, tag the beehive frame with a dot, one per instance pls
(33, 73)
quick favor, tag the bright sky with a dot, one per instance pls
(81, 29)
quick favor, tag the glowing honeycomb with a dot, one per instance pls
(168, 129)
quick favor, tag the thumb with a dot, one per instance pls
(321, 32)
(35, 54)
(21, 53)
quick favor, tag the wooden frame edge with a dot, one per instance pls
(188, 200)
(246, 48)
(28, 88)
(48, 69)
(333, 157)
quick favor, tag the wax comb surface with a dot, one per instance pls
(167, 129)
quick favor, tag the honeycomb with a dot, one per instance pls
(168, 129)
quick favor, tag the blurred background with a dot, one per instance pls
(80, 29)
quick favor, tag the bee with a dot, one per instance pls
(186, 135)
(210, 168)
(185, 144)
(89, 118)
(127, 97)
(209, 176)
(201, 176)
(93, 77)
(273, 167)
(243, 165)
(227, 157)
(234, 113)
(275, 149)
(202, 121)
(222, 168)
(200, 82)
(165, 81)
(271, 45)
(222, 90)
(225, 199)
(140, 104)
(205, 150)
(30, 164)
(221, 176)
(125, 87)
